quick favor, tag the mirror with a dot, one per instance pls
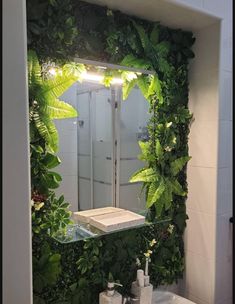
(99, 148)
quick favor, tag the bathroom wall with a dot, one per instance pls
(208, 237)
(16, 208)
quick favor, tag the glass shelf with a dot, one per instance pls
(81, 231)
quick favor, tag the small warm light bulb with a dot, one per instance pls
(52, 71)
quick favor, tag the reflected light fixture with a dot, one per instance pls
(99, 78)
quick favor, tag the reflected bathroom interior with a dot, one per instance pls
(99, 148)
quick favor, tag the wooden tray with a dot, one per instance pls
(85, 216)
(117, 220)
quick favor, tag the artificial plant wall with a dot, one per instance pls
(58, 30)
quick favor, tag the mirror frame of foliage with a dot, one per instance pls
(59, 30)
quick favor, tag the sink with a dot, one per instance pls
(167, 297)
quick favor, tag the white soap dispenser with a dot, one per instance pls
(110, 296)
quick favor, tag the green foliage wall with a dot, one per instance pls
(58, 30)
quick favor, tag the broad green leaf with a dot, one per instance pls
(178, 164)
(51, 161)
(143, 175)
(177, 189)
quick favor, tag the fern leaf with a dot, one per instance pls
(143, 84)
(178, 164)
(143, 175)
(34, 69)
(155, 88)
(127, 87)
(131, 61)
(57, 109)
(54, 88)
(154, 36)
(155, 192)
(145, 42)
(177, 189)
(159, 150)
(47, 130)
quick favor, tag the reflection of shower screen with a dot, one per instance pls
(106, 137)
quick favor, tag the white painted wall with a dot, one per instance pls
(17, 261)
(208, 237)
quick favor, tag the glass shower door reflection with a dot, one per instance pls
(95, 148)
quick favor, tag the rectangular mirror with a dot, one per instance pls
(99, 148)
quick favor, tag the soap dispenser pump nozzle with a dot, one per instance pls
(111, 288)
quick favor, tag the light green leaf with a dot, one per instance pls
(132, 61)
(178, 164)
(127, 87)
(155, 88)
(160, 188)
(177, 189)
(159, 150)
(143, 84)
(57, 109)
(143, 175)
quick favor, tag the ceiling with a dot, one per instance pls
(165, 11)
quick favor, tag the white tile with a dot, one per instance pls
(202, 189)
(68, 164)
(84, 166)
(130, 197)
(102, 169)
(203, 143)
(226, 99)
(199, 277)
(68, 185)
(225, 144)
(84, 192)
(218, 7)
(68, 141)
(224, 191)
(200, 234)
(224, 238)
(69, 96)
(206, 49)
(102, 195)
(203, 95)
(128, 168)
